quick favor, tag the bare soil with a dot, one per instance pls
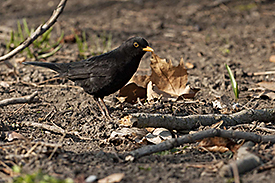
(206, 33)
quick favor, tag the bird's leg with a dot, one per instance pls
(105, 108)
(104, 113)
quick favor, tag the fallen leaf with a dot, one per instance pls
(167, 77)
(189, 92)
(116, 177)
(140, 80)
(163, 133)
(217, 144)
(131, 92)
(153, 92)
(154, 139)
(272, 58)
(156, 136)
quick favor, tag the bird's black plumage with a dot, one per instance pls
(104, 74)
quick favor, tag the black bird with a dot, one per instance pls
(104, 74)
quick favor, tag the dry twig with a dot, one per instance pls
(190, 138)
(55, 129)
(20, 100)
(170, 122)
(39, 31)
(246, 161)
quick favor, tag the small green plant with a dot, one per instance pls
(98, 44)
(225, 51)
(146, 169)
(246, 7)
(166, 152)
(37, 177)
(42, 47)
(233, 82)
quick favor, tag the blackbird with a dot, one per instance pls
(104, 74)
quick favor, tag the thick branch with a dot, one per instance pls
(20, 100)
(246, 161)
(39, 31)
(142, 120)
(190, 138)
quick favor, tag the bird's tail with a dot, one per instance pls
(52, 66)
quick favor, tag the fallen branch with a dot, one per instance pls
(170, 122)
(39, 31)
(190, 138)
(246, 161)
(20, 100)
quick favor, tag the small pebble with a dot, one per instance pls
(91, 178)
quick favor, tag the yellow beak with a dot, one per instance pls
(148, 48)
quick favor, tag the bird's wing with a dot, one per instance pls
(94, 67)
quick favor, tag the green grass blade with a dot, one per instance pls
(11, 41)
(26, 28)
(50, 53)
(20, 32)
(233, 82)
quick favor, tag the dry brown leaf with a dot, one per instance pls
(272, 58)
(116, 177)
(131, 92)
(189, 92)
(167, 77)
(154, 93)
(218, 144)
(140, 80)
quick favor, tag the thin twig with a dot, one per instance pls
(260, 73)
(55, 129)
(39, 31)
(20, 100)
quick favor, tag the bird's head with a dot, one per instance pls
(136, 46)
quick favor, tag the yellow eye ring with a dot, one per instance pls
(136, 44)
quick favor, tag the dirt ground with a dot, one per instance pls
(206, 33)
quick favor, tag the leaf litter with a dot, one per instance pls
(166, 82)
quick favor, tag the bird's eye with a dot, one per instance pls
(136, 44)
